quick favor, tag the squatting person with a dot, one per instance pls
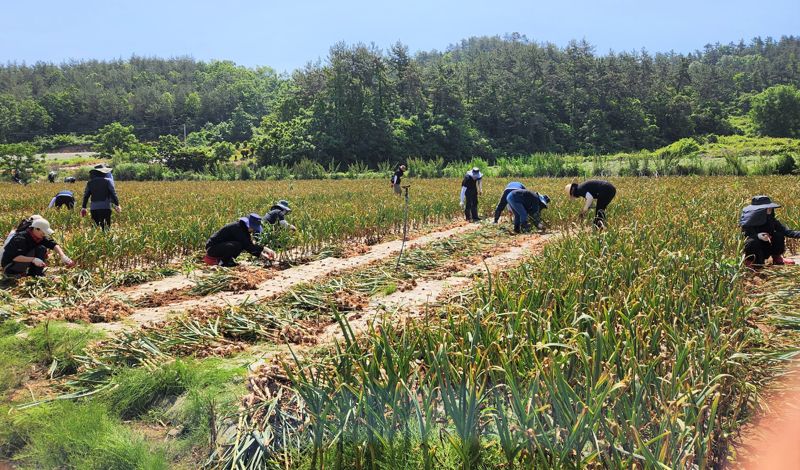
(63, 198)
(25, 249)
(229, 242)
(525, 202)
(594, 190)
(498, 211)
(471, 187)
(100, 189)
(766, 235)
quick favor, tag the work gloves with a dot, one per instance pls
(764, 237)
(38, 263)
(268, 254)
(67, 261)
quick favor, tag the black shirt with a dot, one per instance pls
(235, 232)
(275, 215)
(102, 192)
(396, 177)
(471, 184)
(771, 226)
(21, 244)
(599, 189)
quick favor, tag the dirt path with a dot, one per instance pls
(278, 284)
(772, 441)
(413, 303)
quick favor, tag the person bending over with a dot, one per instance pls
(594, 190)
(231, 240)
(498, 211)
(524, 202)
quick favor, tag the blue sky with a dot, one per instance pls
(287, 34)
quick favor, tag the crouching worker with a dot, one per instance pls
(512, 186)
(25, 250)
(766, 235)
(524, 203)
(277, 215)
(229, 242)
(63, 198)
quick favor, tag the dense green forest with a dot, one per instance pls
(485, 97)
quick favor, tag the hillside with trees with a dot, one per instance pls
(484, 97)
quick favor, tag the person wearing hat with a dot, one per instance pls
(229, 242)
(277, 215)
(63, 198)
(103, 194)
(396, 177)
(594, 190)
(51, 176)
(498, 211)
(471, 187)
(25, 250)
(524, 202)
(766, 235)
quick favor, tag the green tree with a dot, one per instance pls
(776, 111)
(114, 137)
(22, 159)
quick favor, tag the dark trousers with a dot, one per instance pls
(65, 201)
(758, 251)
(102, 218)
(602, 202)
(226, 251)
(471, 207)
(20, 269)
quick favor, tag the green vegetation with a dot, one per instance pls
(484, 96)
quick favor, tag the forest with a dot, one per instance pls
(483, 97)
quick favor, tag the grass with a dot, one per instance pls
(76, 435)
(50, 350)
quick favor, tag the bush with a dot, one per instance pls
(308, 169)
(785, 164)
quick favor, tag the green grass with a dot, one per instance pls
(75, 435)
(52, 346)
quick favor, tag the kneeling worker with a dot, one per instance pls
(229, 242)
(524, 202)
(63, 198)
(766, 235)
(25, 250)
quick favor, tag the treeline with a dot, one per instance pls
(485, 97)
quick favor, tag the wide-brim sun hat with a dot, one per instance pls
(544, 199)
(283, 204)
(568, 188)
(761, 202)
(253, 222)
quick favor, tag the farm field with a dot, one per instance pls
(647, 345)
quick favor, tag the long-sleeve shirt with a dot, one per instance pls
(397, 176)
(276, 215)
(771, 226)
(529, 200)
(471, 186)
(235, 232)
(102, 193)
(498, 211)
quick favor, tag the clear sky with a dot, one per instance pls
(286, 34)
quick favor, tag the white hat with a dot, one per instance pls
(43, 225)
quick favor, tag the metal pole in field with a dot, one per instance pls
(405, 227)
